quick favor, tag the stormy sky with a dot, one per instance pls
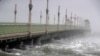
(86, 9)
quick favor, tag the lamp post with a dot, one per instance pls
(66, 20)
(54, 19)
(58, 17)
(75, 21)
(47, 15)
(30, 15)
(41, 17)
(63, 20)
(15, 12)
(71, 20)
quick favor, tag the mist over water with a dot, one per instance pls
(88, 45)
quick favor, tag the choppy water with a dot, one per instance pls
(82, 46)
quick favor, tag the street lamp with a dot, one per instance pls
(71, 20)
(47, 15)
(15, 12)
(74, 21)
(30, 15)
(58, 17)
(41, 17)
(66, 20)
(54, 19)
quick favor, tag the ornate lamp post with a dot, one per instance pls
(30, 15)
(71, 21)
(58, 17)
(75, 21)
(47, 17)
(66, 20)
(71, 25)
(15, 12)
(41, 17)
(54, 19)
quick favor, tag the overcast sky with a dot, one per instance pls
(87, 9)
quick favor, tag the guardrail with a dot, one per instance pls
(11, 28)
(20, 28)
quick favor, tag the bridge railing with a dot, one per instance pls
(10, 28)
(21, 28)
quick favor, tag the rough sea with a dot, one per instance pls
(88, 45)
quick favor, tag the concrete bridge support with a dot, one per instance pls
(37, 41)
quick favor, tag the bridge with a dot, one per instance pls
(15, 35)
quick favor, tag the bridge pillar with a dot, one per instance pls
(38, 41)
(6, 47)
(21, 46)
(51, 37)
(0, 41)
(57, 37)
(32, 43)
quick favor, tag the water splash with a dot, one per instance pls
(85, 46)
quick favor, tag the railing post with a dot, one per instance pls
(30, 13)
(58, 17)
(47, 15)
(15, 12)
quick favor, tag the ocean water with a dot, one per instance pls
(88, 45)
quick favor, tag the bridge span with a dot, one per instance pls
(17, 35)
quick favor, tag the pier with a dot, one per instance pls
(15, 35)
